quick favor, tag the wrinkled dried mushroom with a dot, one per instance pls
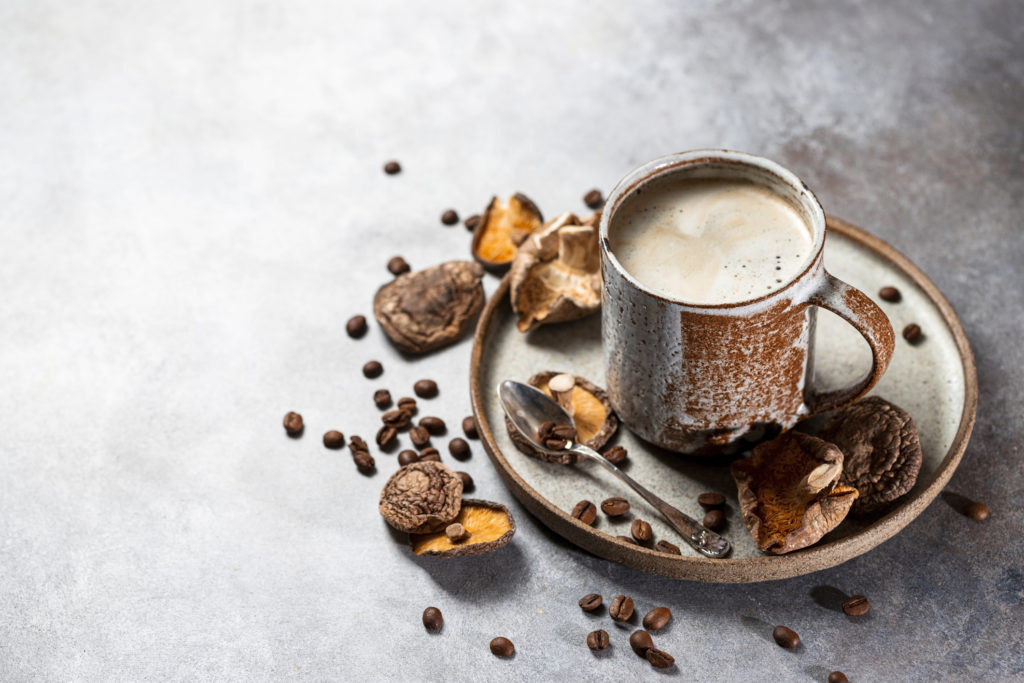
(486, 526)
(556, 274)
(502, 228)
(432, 308)
(421, 497)
(789, 492)
(881, 451)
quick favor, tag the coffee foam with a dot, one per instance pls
(709, 241)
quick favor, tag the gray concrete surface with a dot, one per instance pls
(191, 205)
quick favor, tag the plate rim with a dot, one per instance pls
(746, 569)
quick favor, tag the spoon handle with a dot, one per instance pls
(702, 539)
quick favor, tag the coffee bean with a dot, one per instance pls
(334, 439)
(364, 461)
(459, 449)
(392, 167)
(293, 424)
(456, 532)
(407, 457)
(469, 427)
(856, 605)
(425, 388)
(372, 369)
(976, 511)
(502, 647)
(666, 547)
(590, 602)
(356, 326)
(786, 637)
(356, 444)
(467, 481)
(407, 404)
(593, 199)
(838, 677)
(386, 436)
(382, 398)
(641, 642)
(710, 500)
(616, 455)
(419, 436)
(432, 619)
(430, 454)
(641, 531)
(449, 217)
(615, 507)
(398, 266)
(659, 658)
(597, 640)
(399, 419)
(621, 608)
(912, 333)
(585, 512)
(657, 618)
(890, 294)
(553, 444)
(472, 222)
(714, 520)
(434, 425)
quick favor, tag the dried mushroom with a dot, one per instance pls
(431, 308)
(881, 451)
(502, 228)
(556, 274)
(789, 492)
(421, 498)
(486, 526)
(585, 402)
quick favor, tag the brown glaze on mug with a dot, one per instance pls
(704, 379)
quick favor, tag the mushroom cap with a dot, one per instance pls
(488, 526)
(421, 497)
(502, 228)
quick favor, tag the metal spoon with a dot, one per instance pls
(528, 408)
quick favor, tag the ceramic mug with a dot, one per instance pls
(712, 378)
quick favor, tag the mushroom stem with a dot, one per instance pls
(820, 477)
(561, 387)
(577, 247)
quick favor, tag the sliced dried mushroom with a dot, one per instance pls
(881, 451)
(502, 228)
(586, 402)
(556, 274)
(486, 526)
(789, 492)
(421, 497)
(431, 308)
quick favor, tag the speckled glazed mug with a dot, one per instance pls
(711, 379)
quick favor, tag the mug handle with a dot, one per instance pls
(856, 308)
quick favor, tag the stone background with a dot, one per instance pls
(191, 205)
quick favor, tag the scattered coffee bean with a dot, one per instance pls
(472, 222)
(786, 637)
(364, 461)
(615, 507)
(432, 619)
(714, 519)
(593, 199)
(590, 602)
(293, 424)
(976, 511)
(430, 454)
(356, 326)
(399, 419)
(456, 532)
(382, 399)
(597, 640)
(890, 294)
(373, 369)
(641, 642)
(334, 439)
(449, 217)
(616, 455)
(657, 618)
(392, 167)
(502, 647)
(469, 427)
(856, 605)
(467, 481)
(398, 265)
(626, 539)
(666, 547)
(641, 531)
(419, 436)
(434, 425)
(407, 404)
(585, 511)
(459, 448)
(711, 500)
(838, 677)
(621, 608)
(356, 444)
(425, 388)
(912, 333)
(386, 436)
(407, 457)
(659, 658)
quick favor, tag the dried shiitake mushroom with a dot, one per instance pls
(486, 526)
(789, 492)
(556, 274)
(588, 405)
(502, 228)
(881, 451)
(421, 498)
(431, 308)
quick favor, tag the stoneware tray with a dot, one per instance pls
(935, 381)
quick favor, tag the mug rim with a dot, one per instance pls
(669, 163)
